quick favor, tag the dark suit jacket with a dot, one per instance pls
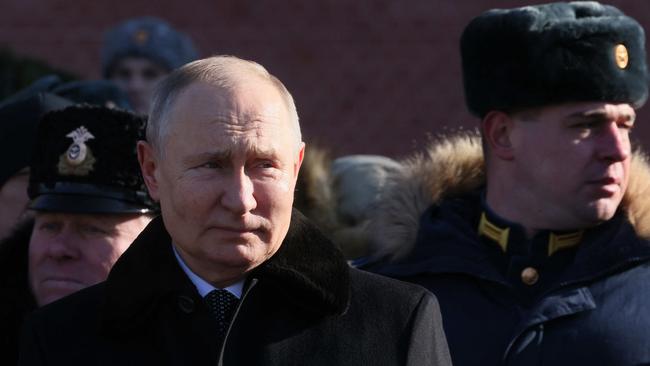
(304, 306)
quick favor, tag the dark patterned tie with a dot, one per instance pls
(222, 304)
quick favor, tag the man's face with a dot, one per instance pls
(573, 161)
(69, 252)
(137, 76)
(13, 200)
(226, 181)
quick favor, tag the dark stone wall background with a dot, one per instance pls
(369, 76)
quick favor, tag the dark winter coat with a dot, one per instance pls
(589, 306)
(304, 306)
(16, 299)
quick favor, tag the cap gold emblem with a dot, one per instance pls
(141, 36)
(621, 56)
(78, 159)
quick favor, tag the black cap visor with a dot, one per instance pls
(70, 203)
(87, 198)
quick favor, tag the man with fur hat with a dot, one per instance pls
(538, 248)
(89, 203)
(139, 52)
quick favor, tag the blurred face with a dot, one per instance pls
(573, 161)
(137, 76)
(13, 200)
(69, 252)
(226, 181)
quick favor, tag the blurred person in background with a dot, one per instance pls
(95, 92)
(340, 194)
(139, 52)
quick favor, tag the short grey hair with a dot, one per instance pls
(225, 72)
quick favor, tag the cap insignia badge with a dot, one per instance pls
(78, 159)
(141, 36)
(621, 56)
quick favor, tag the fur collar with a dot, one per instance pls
(307, 267)
(453, 166)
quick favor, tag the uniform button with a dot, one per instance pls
(186, 304)
(529, 276)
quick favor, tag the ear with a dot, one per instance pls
(497, 130)
(149, 168)
(298, 163)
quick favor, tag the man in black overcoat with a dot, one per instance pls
(231, 274)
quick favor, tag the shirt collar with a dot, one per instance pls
(202, 285)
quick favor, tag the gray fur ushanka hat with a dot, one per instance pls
(147, 37)
(553, 53)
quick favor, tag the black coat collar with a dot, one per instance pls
(307, 268)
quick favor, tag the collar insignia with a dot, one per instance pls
(78, 159)
(558, 242)
(488, 229)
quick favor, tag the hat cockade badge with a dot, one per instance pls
(141, 36)
(621, 56)
(78, 159)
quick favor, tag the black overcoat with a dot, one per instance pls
(16, 299)
(304, 306)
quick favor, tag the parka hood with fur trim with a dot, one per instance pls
(453, 166)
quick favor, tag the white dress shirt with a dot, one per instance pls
(203, 286)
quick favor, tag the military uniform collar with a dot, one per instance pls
(512, 239)
(448, 242)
